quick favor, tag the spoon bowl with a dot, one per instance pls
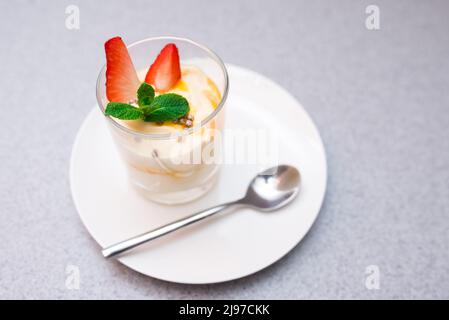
(273, 188)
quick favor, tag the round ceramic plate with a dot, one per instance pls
(225, 247)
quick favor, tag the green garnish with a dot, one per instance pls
(165, 107)
(145, 95)
(123, 111)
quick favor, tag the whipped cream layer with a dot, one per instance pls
(194, 85)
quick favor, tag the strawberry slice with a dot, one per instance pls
(121, 77)
(165, 71)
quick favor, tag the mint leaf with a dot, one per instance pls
(123, 111)
(167, 107)
(145, 94)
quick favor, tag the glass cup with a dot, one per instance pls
(172, 168)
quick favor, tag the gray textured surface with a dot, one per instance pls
(379, 98)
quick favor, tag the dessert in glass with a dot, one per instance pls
(163, 100)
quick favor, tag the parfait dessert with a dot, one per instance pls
(165, 114)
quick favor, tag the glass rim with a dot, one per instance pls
(186, 131)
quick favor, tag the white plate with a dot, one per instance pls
(225, 247)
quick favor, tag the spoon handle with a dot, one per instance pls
(168, 228)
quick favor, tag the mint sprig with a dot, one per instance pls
(165, 107)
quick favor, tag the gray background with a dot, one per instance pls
(379, 98)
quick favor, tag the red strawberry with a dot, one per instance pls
(121, 77)
(165, 71)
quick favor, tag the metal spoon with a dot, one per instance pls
(268, 191)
